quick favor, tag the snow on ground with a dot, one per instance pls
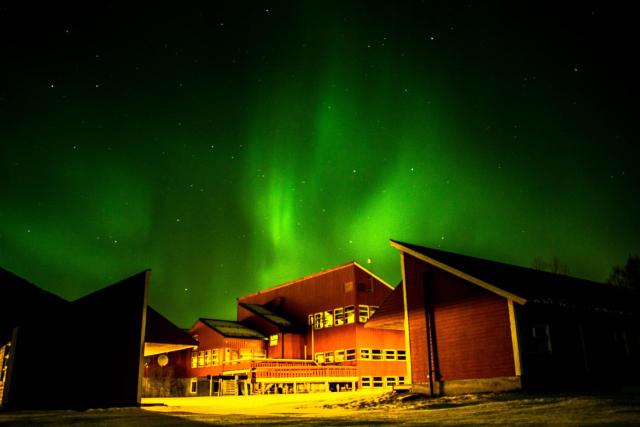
(355, 409)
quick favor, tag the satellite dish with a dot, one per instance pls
(163, 360)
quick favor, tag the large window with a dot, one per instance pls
(349, 314)
(363, 313)
(273, 340)
(327, 318)
(318, 324)
(194, 359)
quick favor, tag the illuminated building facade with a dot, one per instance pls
(479, 325)
(302, 336)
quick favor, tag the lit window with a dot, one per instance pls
(363, 313)
(207, 358)
(328, 357)
(201, 359)
(273, 340)
(377, 381)
(194, 359)
(349, 314)
(194, 386)
(319, 358)
(339, 355)
(391, 381)
(366, 382)
(327, 319)
(338, 316)
(318, 321)
(350, 354)
(214, 357)
(389, 354)
(365, 353)
(402, 355)
(310, 322)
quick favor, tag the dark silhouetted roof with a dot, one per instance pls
(532, 285)
(232, 329)
(23, 301)
(390, 314)
(159, 329)
(283, 324)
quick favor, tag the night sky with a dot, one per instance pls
(232, 146)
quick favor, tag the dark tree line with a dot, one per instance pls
(627, 276)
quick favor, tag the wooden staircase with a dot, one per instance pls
(229, 388)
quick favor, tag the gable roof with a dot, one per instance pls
(317, 274)
(231, 329)
(523, 284)
(283, 324)
(390, 314)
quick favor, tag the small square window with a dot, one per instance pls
(328, 357)
(319, 358)
(391, 381)
(377, 381)
(376, 354)
(389, 354)
(365, 353)
(400, 380)
(339, 355)
(402, 355)
(338, 316)
(350, 354)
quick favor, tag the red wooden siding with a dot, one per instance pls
(333, 288)
(472, 331)
(472, 328)
(414, 270)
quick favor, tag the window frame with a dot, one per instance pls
(387, 351)
(338, 316)
(366, 381)
(349, 314)
(350, 354)
(364, 351)
(363, 313)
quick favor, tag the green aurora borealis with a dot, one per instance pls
(231, 148)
